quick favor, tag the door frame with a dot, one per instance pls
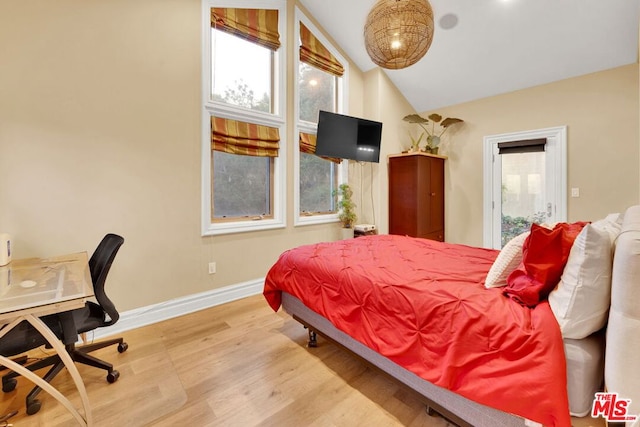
(556, 150)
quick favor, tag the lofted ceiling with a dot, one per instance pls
(483, 48)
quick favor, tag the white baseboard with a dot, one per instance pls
(150, 314)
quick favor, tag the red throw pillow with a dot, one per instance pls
(544, 255)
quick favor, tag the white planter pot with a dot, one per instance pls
(347, 233)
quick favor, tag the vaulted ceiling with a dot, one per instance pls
(496, 46)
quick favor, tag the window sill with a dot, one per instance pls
(241, 227)
(315, 219)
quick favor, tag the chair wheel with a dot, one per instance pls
(113, 376)
(9, 384)
(123, 347)
(33, 407)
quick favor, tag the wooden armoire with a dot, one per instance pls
(416, 195)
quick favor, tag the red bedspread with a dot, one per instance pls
(423, 305)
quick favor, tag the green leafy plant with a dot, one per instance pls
(433, 132)
(346, 206)
(512, 226)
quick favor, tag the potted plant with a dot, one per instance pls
(346, 207)
(433, 134)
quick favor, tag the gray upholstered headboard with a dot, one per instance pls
(622, 359)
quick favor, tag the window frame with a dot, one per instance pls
(276, 119)
(309, 127)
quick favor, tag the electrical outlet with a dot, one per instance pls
(212, 268)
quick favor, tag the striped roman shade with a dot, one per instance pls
(313, 52)
(308, 145)
(255, 25)
(249, 139)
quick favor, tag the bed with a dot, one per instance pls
(425, 313)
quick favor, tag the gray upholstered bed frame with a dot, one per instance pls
(622, 368)
(452, 406)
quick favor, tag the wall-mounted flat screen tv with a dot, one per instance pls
(347, 137)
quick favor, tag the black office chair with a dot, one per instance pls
(92, 316)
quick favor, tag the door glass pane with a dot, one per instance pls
(523, 193)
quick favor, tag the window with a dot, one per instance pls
(320, 87)
(523, 202)
(242, 160)
(243, 171)
(318, 178)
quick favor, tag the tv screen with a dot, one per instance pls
(348, 137)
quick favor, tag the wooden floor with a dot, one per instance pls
(237, 364)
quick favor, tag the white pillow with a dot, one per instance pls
(612, 224)
(581, 300)
(508, 260)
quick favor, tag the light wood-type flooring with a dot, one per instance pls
(237, 364)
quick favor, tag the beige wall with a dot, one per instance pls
(600, 111)
(100, 132)
(390, 107)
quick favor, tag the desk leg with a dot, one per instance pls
(66, 359)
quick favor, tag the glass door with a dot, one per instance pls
(524, 182)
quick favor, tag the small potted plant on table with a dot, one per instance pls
(346, 209)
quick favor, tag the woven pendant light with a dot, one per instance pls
(398, 32)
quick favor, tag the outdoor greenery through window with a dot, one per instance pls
(514, 226)
(242, 77)
(523, 193)
(241, 72)
(241, 186)
(318, 177)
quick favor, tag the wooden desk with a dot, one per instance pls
(35, 287)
